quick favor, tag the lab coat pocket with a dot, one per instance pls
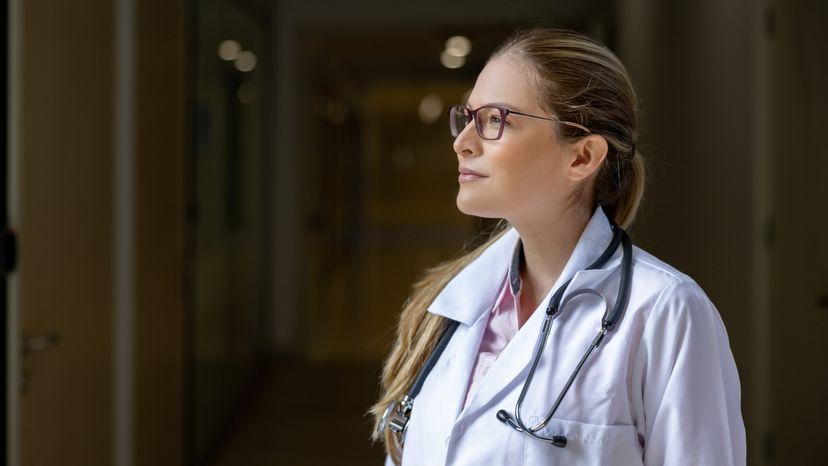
(587, 445)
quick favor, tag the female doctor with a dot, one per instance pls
(556, 342)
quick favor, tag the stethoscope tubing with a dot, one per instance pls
(608, 322)
(544, 337)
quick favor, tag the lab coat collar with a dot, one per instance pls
(594, 240)
(474, 290)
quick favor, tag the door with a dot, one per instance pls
(63, 109)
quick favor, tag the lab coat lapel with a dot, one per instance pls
(473, 291)
(468, 298)
(455, 379)
(509, 369)
(512, 365)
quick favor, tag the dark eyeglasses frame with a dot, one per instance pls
(471, 115)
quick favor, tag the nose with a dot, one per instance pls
(467, 143)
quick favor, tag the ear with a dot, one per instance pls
(588, 153)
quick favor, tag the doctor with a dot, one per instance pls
(547, 142)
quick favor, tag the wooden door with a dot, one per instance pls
(64, 220)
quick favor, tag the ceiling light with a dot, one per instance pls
(228, 50)
(451, 61)
(431, 107)
(458, 46)
(246, 61)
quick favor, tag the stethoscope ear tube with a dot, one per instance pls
(625, 286)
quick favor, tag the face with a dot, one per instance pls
(523, 174)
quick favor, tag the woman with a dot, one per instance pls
(547, 142)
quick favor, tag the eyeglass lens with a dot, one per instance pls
(489, 121)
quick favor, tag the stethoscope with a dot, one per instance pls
(397, 414)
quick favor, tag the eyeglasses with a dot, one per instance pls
(489, 120)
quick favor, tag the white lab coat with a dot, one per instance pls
(662, 389)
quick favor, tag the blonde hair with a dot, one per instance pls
(578, 80)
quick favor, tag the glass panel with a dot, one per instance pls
(227, 167)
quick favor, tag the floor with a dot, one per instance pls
(306, 414)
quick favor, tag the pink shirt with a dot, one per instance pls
(501, 327)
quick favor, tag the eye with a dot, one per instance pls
(494, 119)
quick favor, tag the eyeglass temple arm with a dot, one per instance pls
(563, 122)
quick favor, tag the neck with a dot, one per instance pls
(547, 246)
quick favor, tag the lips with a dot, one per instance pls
(467, 175)
(466, 171)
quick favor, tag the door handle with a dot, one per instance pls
(28, 345)
(31, 344)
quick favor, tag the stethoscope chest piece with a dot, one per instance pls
(396, 417)
(397, 414)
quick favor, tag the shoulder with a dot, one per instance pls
(674, 318)
(650, 268)
(680, 337)
(662, 291)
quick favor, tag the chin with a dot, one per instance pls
(475, 207)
